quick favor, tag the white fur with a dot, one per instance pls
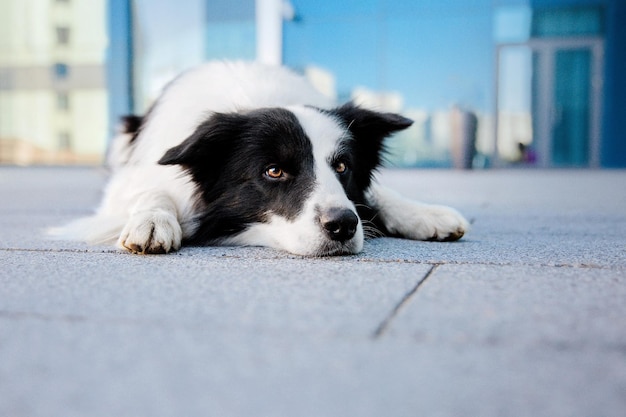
(219, 87)
(415, 220)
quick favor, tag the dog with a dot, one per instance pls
(237, 153)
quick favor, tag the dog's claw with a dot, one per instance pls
(133, 247)
(458, 234)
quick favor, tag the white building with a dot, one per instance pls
(53, 101)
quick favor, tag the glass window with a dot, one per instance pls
(61, 70)
(574, 21)
(230, 30)
(62, 35)
(63, 101)
(570, 140)
(172, 36)
(65, 141)
(512, 24)
(432, 61)
(423, 59)
(515, 87)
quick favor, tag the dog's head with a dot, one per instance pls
(290, 178)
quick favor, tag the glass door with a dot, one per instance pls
(549, 102)
(571, 133)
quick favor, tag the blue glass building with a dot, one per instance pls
(546, 79)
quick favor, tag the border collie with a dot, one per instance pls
(236, 153)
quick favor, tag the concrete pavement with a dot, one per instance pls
(525, 316)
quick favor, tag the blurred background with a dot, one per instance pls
(533, 83)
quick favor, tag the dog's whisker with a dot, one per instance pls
(370, 231)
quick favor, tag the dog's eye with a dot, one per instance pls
(341, 167)
(274, 172)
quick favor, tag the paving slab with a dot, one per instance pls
(273, 295)
(87, 368)
(524, 316)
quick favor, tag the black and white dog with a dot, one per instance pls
(246, 154)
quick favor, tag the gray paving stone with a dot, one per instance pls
(524, 316)
(328, 297)
(559, 308)
(96, 369)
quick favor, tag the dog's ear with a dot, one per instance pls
(205, 151)
(369, 129)
(364, 122)
(370, 125)
(208, 143)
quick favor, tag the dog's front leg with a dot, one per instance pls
(152, 226)
(412, 220)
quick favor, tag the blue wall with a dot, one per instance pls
(613, 153)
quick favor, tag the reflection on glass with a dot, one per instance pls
(512, 24)
(427, 60)
(515, 127)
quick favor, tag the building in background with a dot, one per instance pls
(543, 78)
(546, 79)
(53, 94)
(543, 81)
(551, 63)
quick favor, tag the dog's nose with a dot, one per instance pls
(339, 223)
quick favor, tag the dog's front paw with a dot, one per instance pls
(436, 223)
(151, 232)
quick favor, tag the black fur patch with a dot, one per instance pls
(228, 157)
(131, 124)
(363, 152)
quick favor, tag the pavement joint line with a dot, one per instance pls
(334, 258)
(488, 263)
(162, 323)
(77, 318)
(112, 251)
(384, 325)
(39, 316)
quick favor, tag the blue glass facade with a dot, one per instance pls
(424, 59)
(230, 30)
(434, 53)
